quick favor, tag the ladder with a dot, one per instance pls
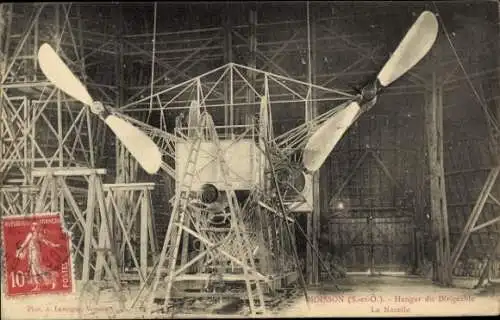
(251, 280)
(172, 240)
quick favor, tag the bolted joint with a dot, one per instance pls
(97, 107)
(101, 110)
(369, 92)
(369, 95)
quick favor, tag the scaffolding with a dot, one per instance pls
(48, 151)
(46, 135)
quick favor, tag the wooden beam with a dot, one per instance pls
(228, 58)
(225, 277)
(129, 186)
(474, 216)
(316, 180)
(89, 229)
(440, 233)
(69, 171)
(15, 188)
(489, 223)
(445, 230)
(242, 114)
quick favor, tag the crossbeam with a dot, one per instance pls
(129, 186)
(67, 172)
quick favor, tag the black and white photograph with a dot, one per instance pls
(249, 159)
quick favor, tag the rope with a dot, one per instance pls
(152, 64)
(489, 117)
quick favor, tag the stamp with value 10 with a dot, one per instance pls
(37, 255)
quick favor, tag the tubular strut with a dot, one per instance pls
(283, 208)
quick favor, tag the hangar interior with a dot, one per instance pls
(411, 191)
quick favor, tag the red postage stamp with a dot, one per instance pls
(36, 255)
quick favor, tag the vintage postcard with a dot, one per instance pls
(249, 159)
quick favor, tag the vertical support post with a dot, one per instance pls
(371, 228)
(124, 164)
(419, 216)
(228, 58)
(4, 12)
(316, 178)
(120, 61)
(60, 133)
(31, 138)
(122, 167)
(89, 229)
(53, 193)
(144, 232)
(309, 252)
(496, 149)
(231, 99)
(434, 129)
(39, 203)
(313, 219)
(58, 93)
(35, 47)
(445, 231)
(89, 122)
(252, 63)
(28, 199)
(4, 45)
(151, 230)
(106, 237)
(60, 142)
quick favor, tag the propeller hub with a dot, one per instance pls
(369, 92)
(369, 95)
(97, 107)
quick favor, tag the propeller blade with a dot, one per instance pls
(327, 136)
(59, 74)
(140, 146)
(414, 46)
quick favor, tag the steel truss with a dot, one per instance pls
(221, 88)
(48, 149)
(128, 205)
(227, 253)
(28, 107)
(259, 214)
(39, 126)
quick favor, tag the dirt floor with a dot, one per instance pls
(360, 295)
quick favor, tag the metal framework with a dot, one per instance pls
(187, 219)
(50, 146)
(48, 153)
